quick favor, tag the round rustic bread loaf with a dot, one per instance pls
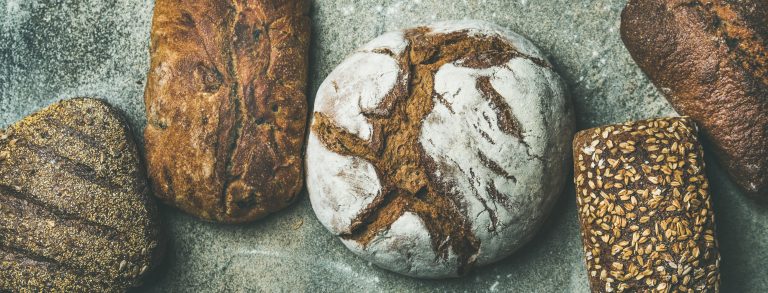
(75, 209)
(439, 148)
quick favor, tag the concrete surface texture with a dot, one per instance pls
(54, 49)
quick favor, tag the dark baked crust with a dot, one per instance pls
(226, 105)
(643, 201)
(709, 58)
(75, 209)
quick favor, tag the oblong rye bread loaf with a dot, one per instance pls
(226, 105)
(75, 209)
(710, 59)
(643, 202)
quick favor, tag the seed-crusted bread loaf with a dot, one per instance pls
(710, 59)
(75, 209)
(439, 148)
(643, 201)
(226, 105)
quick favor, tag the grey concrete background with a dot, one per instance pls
(54, 49)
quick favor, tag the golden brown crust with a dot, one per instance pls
(710, 58)
(75, 209)
(643, 201)
(226, 106)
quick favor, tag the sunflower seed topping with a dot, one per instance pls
(644, 206)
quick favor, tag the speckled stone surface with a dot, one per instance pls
(63, 48)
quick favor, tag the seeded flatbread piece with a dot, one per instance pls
(75, 211)
(644, 205)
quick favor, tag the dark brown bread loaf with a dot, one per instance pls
(226, 105)
(75, 209)
(646, 218)
(710, 59)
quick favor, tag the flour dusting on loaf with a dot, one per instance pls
(405, 247)
(356, 85)
(352, 181)
(439, 148)
(484, 157)
(360, 83)
(482, 28)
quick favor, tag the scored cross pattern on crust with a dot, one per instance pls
(396, 154)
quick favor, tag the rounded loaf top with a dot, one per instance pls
(74, 202)
(439, 148)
